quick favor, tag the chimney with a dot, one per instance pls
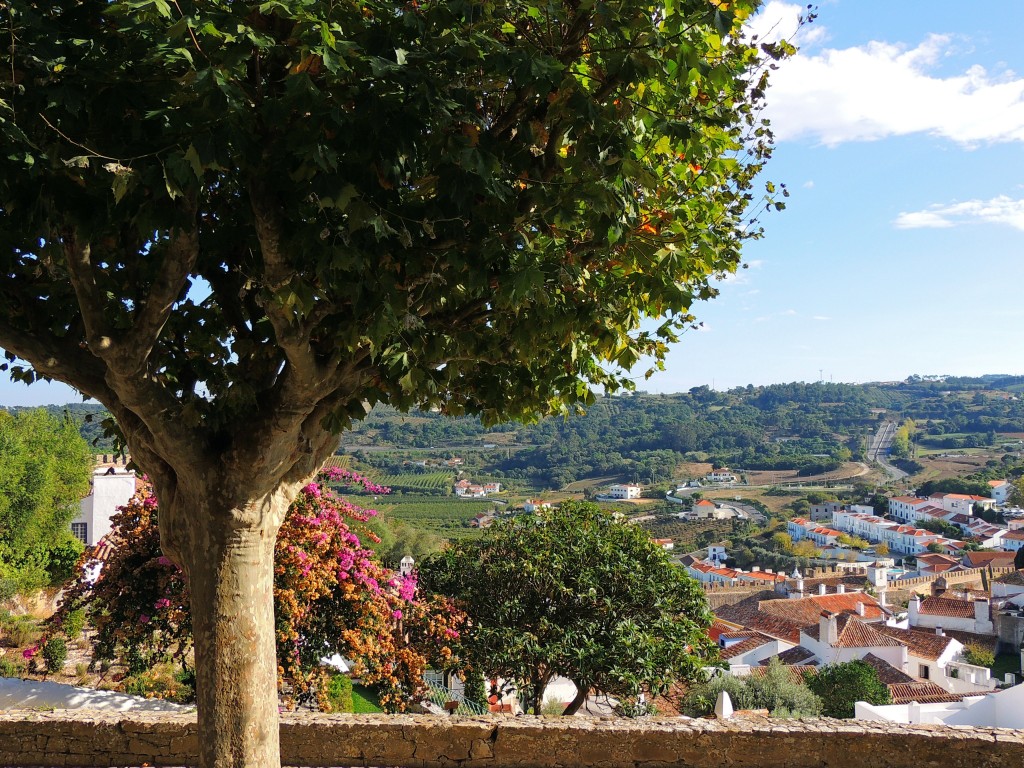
(828, 629)
(860, 608)
(841, 589)
(914, 608)
(822, 589)
(981, 610)
(755, 568)
(939, 632)
(767, 570)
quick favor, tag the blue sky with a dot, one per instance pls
(900, 127)
(900, 130)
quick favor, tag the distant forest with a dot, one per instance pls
(643, 437)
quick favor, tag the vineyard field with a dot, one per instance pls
(445, 517)
(435, 483)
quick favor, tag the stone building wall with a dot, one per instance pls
(91, 739)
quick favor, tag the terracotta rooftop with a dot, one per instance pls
(797, 672)
(853, 633)
(795, 655)
(806, 610)
(923, 693)
(756, 640)
(887, 673)
(924, 645)
(719, 627)
(978, 559)
(946, 606)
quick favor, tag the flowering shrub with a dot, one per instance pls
(331, 595)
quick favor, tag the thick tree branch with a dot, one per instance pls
(179, 259)
(81, 272)
(293, 334)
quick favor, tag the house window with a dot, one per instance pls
(922, 671)
(80, 531)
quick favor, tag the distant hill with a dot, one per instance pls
(811, 428)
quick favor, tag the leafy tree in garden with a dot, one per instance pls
(239, 225)
(840, 686)
(572, 592)
(45, 470)
(330, 596)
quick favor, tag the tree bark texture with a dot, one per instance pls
(230, 569)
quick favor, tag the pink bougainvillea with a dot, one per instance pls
(331, 593)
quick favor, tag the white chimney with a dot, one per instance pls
(755, 568)
(939, 632)
(767, 570)
(841, 589)
(822, 589)
(828, 629)
(860, 608)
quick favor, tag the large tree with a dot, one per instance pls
(573, 592)
(239, 225)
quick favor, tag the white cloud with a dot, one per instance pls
(809, 184)
(821, 317)
(788, 312)
(881, 89)
(998, 210)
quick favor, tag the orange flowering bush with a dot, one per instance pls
(331, 595)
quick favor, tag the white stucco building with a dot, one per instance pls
(111, 488)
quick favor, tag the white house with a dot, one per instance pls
(939, 612)
(1000, 490)
(111, 488)
(1001, 709)
(720, 475)
(532, 505)
(838, 638)
(1013, 540)
(619, 491)
(961, 502)
(903, 507)
(936, 657)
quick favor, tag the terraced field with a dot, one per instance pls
(412, 482)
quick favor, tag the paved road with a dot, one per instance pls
(878, 451)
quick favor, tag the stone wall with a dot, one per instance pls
(90, 739)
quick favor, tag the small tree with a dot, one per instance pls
(840, 686)
(45, 470)
(572, 592)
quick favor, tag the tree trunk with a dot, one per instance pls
(230, 568)
(582, 690)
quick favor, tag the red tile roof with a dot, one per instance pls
(755, 640)
(924, 645)
(946, 606)
(923, 693)
(887, 673)
(979, 559)
(853, 634)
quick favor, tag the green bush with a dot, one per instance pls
(339, 693)
(62, 559)
(777, 691)
(74, 622)
(979, 655)
(163, 681)
(841, 685)
(19, 631)
(55, 653)
(11, 668)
